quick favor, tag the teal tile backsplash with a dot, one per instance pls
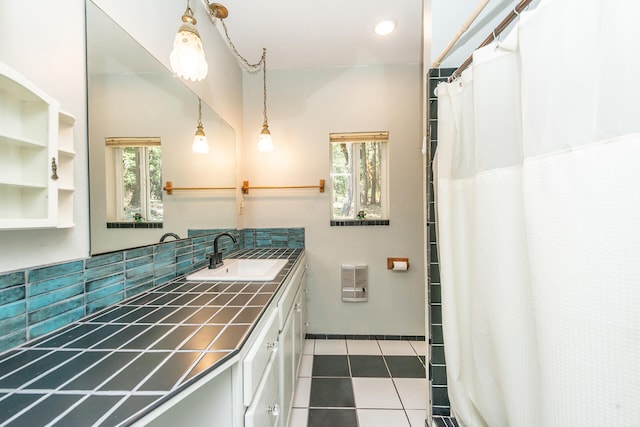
(39, 300)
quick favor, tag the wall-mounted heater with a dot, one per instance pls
(355, 282)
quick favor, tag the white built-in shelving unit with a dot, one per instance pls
(36, 156)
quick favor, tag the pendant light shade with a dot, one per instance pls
(200, 142)
(265, 143)
(187, 57)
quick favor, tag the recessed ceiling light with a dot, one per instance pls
(385, 27)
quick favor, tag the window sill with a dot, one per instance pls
(358, 223)
(126, 224)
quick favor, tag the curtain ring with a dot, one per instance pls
(495, 39)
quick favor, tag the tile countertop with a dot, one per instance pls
(114, 366)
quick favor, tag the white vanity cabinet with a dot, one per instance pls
(36, 147)
(268, 406)
(292, 341)
(254, 388)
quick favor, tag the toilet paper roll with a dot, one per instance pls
(399, 266)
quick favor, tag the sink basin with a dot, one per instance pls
(241, 270)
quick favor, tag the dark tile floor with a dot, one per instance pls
(361, 383)
(444, 422)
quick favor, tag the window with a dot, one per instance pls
(136, 190)
(359, 176)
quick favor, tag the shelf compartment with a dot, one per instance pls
(66, 123)
(28, 203)
(25, 115)
(65, 171)
(28, 165)
(65, 208)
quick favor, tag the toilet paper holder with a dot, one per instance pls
(390, 262)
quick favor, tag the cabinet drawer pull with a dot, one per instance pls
(298, 307)
(274, 409)
(273, 346)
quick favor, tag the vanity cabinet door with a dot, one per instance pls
(254, 364)
(287, 364)
(300, 313)
(265, 409)
(286, 300)
(292, 339)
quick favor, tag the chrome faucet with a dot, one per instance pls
(165, 235)
(215, 259)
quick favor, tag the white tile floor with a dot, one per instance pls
(380, 402)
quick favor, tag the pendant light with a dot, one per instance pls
(200, 142)
(187, 57)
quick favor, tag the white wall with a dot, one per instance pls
(304, 107)
(45, 43)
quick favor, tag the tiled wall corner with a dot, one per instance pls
(437, 364)
(39, 300)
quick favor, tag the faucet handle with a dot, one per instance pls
(215, 259)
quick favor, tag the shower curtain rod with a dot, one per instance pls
(491, 37)
(460, 32)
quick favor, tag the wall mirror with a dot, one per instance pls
(133, 96)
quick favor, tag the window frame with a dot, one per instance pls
(116, 145)
(357, 141)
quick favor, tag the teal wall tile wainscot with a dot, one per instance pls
(42, 299)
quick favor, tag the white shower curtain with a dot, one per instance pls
(538, 213)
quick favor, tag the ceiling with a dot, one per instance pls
(332, 33)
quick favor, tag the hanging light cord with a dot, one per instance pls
(199, 112)
(251, 67)
(264, 85)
